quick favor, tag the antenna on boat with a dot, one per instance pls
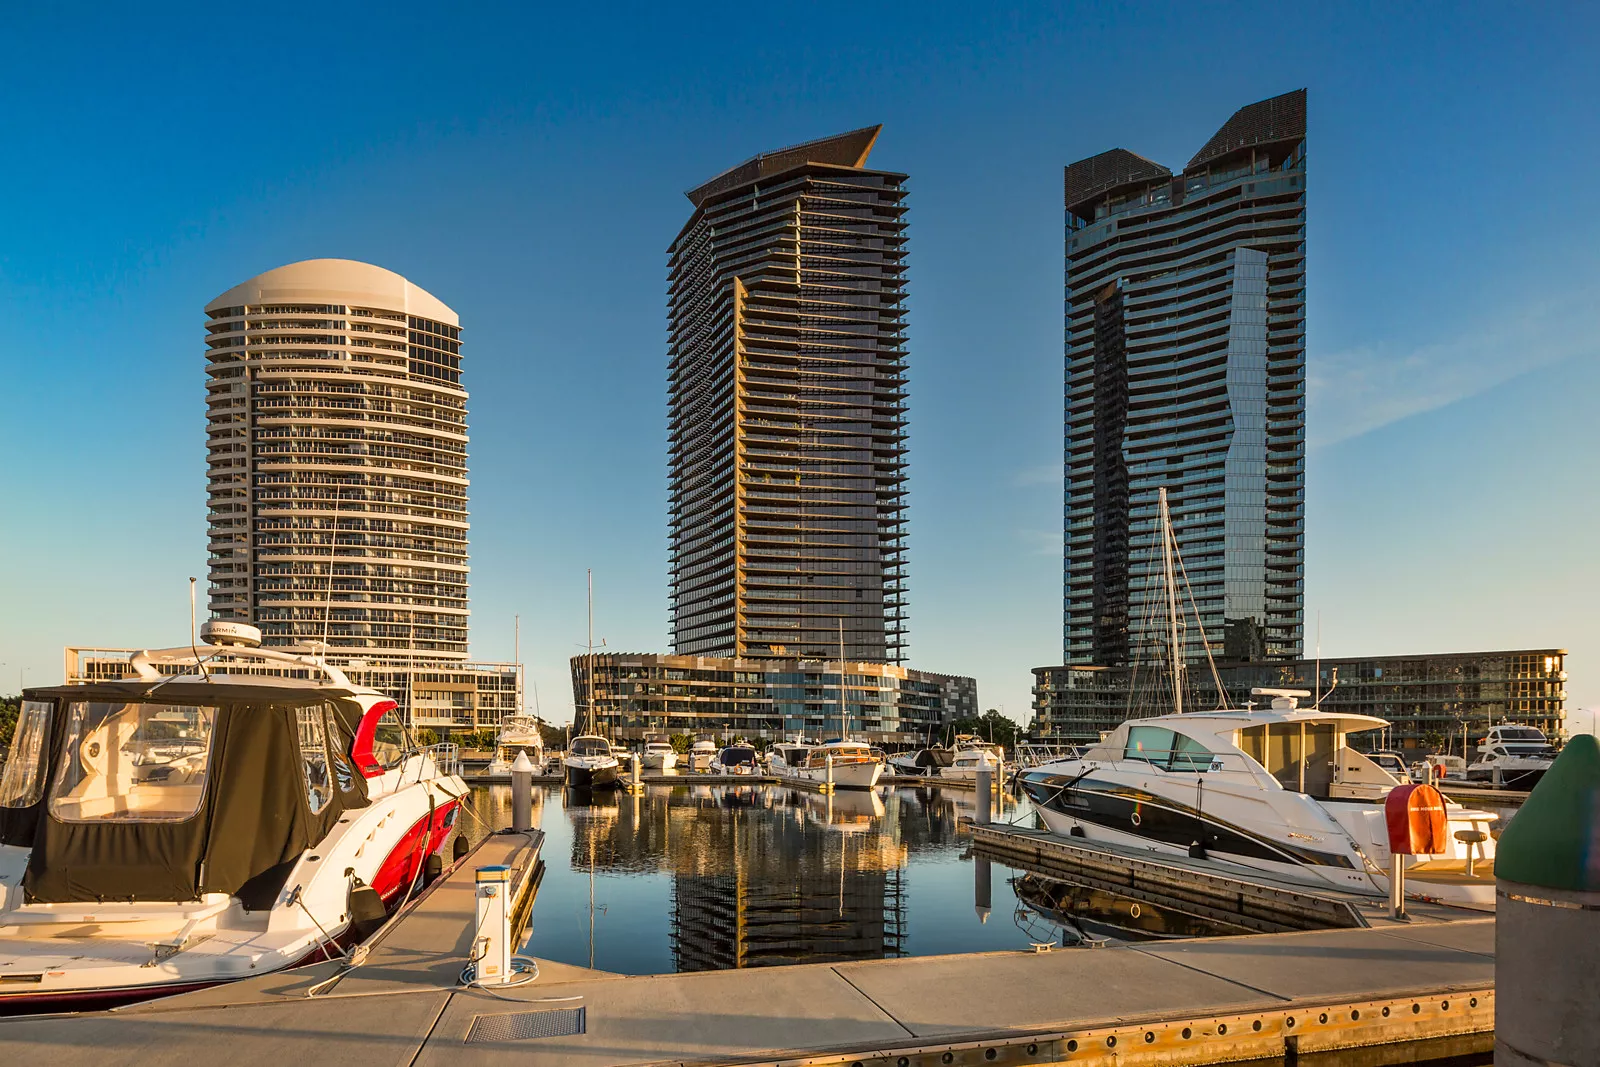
(194, 645)
(1318, 687)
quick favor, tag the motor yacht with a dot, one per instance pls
(737, 758)
(589, 764)
(924, 762)
(701, 753)
(659, 755)
(852, 765)
(786, 758)
(518, 734)
(970, 754)
(1275, 788)
(1440, 768)
(1512, 757)
(224, 812)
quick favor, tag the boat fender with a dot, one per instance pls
(366, 909)
(458, 849)
(1197, 850)
(1076, 831)
(432, 868)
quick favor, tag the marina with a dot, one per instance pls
(1401, 993)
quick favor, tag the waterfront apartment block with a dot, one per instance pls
(1185, 369)
(337, 462)
(449, 697)
(640, 694)
(787, 409)
(1428, 700)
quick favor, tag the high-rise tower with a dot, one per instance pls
(337, 442)
(1185, 368)
(787, 408)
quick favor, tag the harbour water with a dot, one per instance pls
(709, 877)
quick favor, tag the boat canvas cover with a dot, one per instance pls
(252, 824)
(934, 757)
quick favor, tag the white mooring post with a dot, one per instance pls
(522, 793)
(985, 810)
(491, 949)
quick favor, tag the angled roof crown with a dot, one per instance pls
(1088, 178)
(841, 150)
(1282, 118)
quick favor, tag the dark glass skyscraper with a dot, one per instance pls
(1185, 368)
(787, 408)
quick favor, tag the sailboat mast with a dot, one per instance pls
(590, 573)
(844, 721)
(1172, 602)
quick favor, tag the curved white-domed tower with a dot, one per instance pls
(337, 444)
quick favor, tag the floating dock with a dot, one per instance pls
(1251, 899)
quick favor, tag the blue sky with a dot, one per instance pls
(527, 166)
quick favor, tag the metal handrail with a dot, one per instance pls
(446, 756)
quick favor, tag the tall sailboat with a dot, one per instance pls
(589, 762)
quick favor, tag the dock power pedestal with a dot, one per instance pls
(491, 948)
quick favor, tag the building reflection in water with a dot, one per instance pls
(760, 876)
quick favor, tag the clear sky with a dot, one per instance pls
(527, 163)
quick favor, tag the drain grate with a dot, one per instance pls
(522, 1025)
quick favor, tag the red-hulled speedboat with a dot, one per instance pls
(246, 812)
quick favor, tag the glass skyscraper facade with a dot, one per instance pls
(1185, 369)
(787, 409)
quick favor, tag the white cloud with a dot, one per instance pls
(1358, 390)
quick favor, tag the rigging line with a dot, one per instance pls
(1216, 678)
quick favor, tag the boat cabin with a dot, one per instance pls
(168, 790)
(1305, 751)
(589, 747)
(841, 751)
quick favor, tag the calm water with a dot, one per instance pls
(702, 877)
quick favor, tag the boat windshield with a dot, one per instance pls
(1167, 749)
(591, 746)
(733, 756)
(1520, 733)
(132, 762)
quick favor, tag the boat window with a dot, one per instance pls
(590, 747)
(314, 756)
(339, 751)
(134, 762)
(1299, 755)
(1167, 749)
(1189, 754)
(1152, 744)
(389, 741)
(22, 780)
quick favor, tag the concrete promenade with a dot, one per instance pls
(1423, 989)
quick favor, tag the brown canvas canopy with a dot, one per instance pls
(253, 817)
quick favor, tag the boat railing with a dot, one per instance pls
(1038, 753)
(446, 756)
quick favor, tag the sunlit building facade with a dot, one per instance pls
(1429, 700)
(337, 461)
(640, 694)
(1185, 369)
(787, 409)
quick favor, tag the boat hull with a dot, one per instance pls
(581, 776)
(845, 775)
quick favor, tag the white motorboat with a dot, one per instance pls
(590, 764)
(1512, 757)
(518, 734)
(924, 762)
(786, 758)
(848, 764)
(701, 753)
(659, 755)
(1275, 789)
(1440, 768)
(972, 753)
(737, 758)
(205, 820)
